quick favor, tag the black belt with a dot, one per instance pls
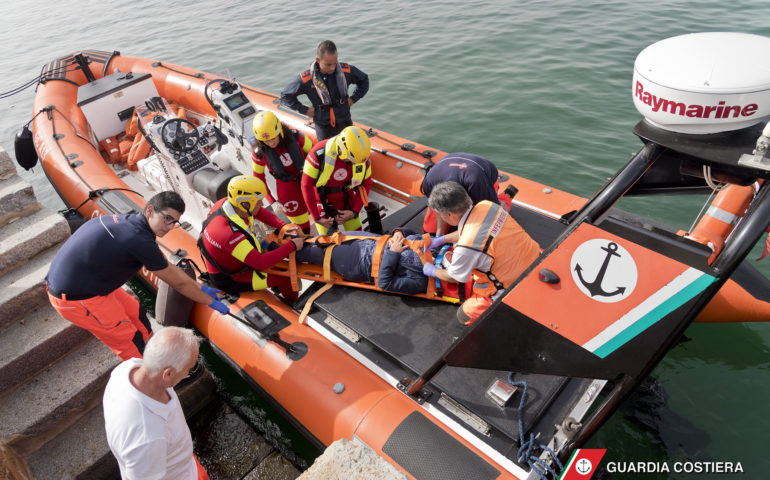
(66, 296)
(332, 105)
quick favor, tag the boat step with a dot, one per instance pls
(31, 343)
(17, 199)
(7, 167)
(27, 236)
(58, 392)
(23, 289)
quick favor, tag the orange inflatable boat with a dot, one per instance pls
(510, 397)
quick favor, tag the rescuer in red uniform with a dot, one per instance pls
(231, 250)
(282, 150)
(336, 180)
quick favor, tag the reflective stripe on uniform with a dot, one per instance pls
(494, 217)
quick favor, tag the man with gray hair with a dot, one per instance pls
(146, 427)
(490, 246)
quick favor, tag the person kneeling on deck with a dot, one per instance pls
(492, 247)
(400, 267)
(85, 278)
(143, 419)
(336, 180)
(230, 249)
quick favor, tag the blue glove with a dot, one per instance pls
(216, 303)
(219, 307)
(429, 269)
(211, 292)
(436, 242)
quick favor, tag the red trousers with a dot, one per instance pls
(116, 319)
(290, 197)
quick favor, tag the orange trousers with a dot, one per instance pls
(116, 319)
(202, 473)
(475, 306)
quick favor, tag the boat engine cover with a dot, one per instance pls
(704, 83)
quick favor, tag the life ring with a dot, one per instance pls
(720, 219)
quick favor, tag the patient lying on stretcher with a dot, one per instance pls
(400, 268)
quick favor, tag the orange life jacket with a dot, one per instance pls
(491, 230)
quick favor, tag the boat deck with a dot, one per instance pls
(414, 333)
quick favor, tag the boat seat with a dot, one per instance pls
(212, 183)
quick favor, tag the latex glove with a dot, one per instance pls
(219, 307)
(429, 270)
(216, 303)
(436, 242)
(278, 208)
(211, 292)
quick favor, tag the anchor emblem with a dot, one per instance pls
(595, 287)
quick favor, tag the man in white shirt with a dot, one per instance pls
(144, 421)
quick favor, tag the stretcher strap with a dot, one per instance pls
(281, 239)
(328, 263)
(379, 249)
(309, 302)
(364, 195)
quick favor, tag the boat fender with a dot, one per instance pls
(720, 219)
(172, 309)
(26, 155)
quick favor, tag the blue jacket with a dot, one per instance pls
(303, 85)
(476, 174)
(103, 254)
(400, 273)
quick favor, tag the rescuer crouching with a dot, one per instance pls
(230, 248)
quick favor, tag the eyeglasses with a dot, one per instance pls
(169, 220)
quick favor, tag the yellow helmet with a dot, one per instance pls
(353, 145)
(267, 126)
(245, 189)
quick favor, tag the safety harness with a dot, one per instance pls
(237, 227)
(277, 167)
(329, 157)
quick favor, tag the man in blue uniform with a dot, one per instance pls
(476, 174)
(86, 275)
(326, 86)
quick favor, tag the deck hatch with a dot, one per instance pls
(429, 453)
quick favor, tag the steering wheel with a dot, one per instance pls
(180, 135)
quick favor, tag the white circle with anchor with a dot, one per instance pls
(603, 270)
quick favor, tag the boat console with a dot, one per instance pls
(183, 162)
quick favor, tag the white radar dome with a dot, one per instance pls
(704, 82)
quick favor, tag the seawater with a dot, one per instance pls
(541, 88)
